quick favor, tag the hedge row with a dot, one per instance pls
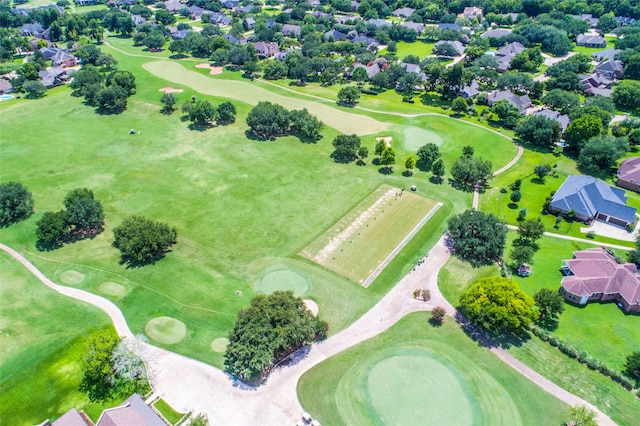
(582, 356)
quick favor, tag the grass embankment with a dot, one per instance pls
(171, 415)
(415, 373)
(602, 330)
(42, 341)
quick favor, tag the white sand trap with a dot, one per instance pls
(415, 137)
(387, 140)
(170, 90)
(312, 306)
(214, 70)
(166, 330)
(220, 344)
(112, 289)
(72, 277)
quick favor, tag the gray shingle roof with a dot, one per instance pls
(588, 196)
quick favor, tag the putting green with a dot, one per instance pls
(134, 203)
(72, 277)
(112, 289)
(283, 279)
(166, 330)
(415, 137)
(418, 389)
(220, 344)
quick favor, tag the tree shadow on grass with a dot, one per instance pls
(252, 136)
(490, 339)
(436, 180)
(201, 127)
(512, 206)
(385, 170)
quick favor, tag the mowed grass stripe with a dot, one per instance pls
(363, 239)
(342, 121)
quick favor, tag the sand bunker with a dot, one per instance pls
(387, 141)
(214, 70)
(170, 90)
(311, 305)
(220, 344)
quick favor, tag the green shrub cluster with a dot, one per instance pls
(582, 356)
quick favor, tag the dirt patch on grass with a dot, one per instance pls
(170, 90)
(214, 70)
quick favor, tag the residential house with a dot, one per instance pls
(54, 76)
(291, 30)
(174, 6)
(133, 411)
(250, 22)
(418, 27)
(512, 15)
(372, 68)
(334, 35)
(562, 119)
(413, 68)
(629, 174)
(405, 12)
(177, 34)
(248, 9)
(596, 84)
(230, 4)
(454, 27)
(521, 102)
(5, 87)
(371, 43)
(590, 199)
(355, 5)
(593, 22)
(605, 55)
(231, 39)
(506, 54)
(196, 12)
(266, 49)
(85, 2)
(496, 33)
(70, 418)
(318, 14)
(281, 56)
(625, 20)
(219, 18)
(590, 40)
(470, 90)
(459, 47)
(595, 275)
(611, 68)
(31, 30)
(471, 13)
(138, 20)
(63, 59)
(379, 23)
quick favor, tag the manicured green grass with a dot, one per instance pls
(600, 329)
(419, 48)
(169, 413)
(361, 240)
(414, 373)
(42, 341)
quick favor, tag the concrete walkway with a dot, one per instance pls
(190, 385)
(580, 240)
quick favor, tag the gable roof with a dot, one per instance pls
(596, 271)
(404, 11)
(588, 196)
(590, 39)
(289, 29)
(70, 418)
(511, 49)
(470, 90)
(133, 411)
(456, 45)
(629, 170)
(379, 23)
(337, 35)
(562, 119)
(611, 67)
(418, 27)
(498, 32)
(522, 102)
(456, 27)
(605, 55)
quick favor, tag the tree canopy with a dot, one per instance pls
(85, 213)
(142, 241)
(498, 304)
(467, 170)
(477, 237)
(550, 303)
(268, 330)
(16, 203)
(538, 130)
(346, 148)
(632, 366)
(602, 153)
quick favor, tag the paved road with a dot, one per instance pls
(190, 385)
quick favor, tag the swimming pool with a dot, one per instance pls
(5, 97)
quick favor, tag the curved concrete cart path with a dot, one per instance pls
(190, 385)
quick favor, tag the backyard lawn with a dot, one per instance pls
(415, 373)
